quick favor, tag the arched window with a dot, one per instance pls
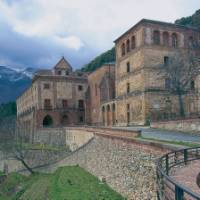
(103, 109)
(128, 45)
(165, 39)
(123, 49)
(133, 42)
(47, 121)
(156, 37)
(191, 41)
(108, 108)
(174, 40)
(192, 85)
(113, 107)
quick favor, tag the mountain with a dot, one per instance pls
(108, 56)
(193, 20)
(13, 82)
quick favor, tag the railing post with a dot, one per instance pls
(167, 164)
(185, 156)
(179, 195)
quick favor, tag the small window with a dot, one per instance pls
(133, 42)
(128, 67)
(166, 60)
(174, 40)
(46, 86)
(66, 73)
(156, 37)
(64, 103)
(47, 103)
(96, 89)
(59, 72)
(128, 107)
(81, 104)
(128, 88)
(192, 85)
(167, 83)
(123, 49)
(128, 45)
(80, 87)
(81, 119)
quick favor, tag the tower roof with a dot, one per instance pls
(63, 64)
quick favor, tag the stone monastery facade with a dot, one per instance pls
(127, 92)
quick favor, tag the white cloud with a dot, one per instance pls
(92, 24)
(72, 42)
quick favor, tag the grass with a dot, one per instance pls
(174, 142)
(67, 183)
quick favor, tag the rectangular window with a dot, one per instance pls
(166, 60)
(81, 104)
(46, 86)
(167, 83)
(128, 67)
(128, 88)
(47, 103)
(64, 103)
(80, 87)
(128, 107)
(81, 119)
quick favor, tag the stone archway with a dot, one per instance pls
(47, 121)
(108, 115)
(65, 120)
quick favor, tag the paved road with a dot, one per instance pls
(165, 135)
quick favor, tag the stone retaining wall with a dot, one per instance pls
(186, 125)
(127, 166)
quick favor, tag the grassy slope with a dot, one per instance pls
(67, 183)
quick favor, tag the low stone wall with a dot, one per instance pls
(127, 166)
(186, 125)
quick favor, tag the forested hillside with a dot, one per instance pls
(109, 56)
(193, 20)
(7, 110)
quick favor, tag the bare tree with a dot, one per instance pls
(181, 70)
(12, 142)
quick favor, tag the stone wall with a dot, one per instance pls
(127, 166)
(186, 125)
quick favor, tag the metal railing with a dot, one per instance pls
(168, 188)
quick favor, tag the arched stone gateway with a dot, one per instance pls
(47, 121)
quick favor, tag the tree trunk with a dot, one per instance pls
(25, 165)
(181, 105)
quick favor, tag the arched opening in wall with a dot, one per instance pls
(103, 115)
(133, 42)
(191, 41)
(113, 114)
(108, 116)
(65, 120)
(166, 39)
(174, 40)
(156, 37)
(47, 121)
(123, 49)
(128, 45)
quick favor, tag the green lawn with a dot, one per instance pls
(67, 183)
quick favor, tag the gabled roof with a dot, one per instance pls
(63, 64)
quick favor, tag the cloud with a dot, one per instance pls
(47, 29)
(72, 42)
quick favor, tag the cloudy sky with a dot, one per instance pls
(36, 33)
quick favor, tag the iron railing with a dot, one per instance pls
(168, 188)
